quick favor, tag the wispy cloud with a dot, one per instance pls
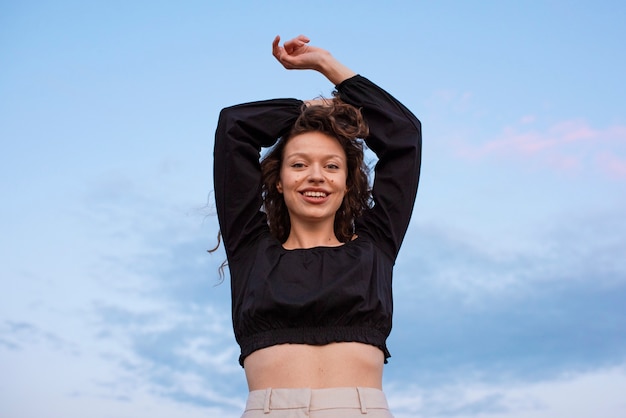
(572, 395)
(571, 145)
(575, 249)
(451, 99)
(171, 324)
(613, 165)
(463, 307)
(18, 335)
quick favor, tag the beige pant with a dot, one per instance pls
(317, 403)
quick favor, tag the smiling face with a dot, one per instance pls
(313, 177)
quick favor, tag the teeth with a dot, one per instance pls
(315, 194)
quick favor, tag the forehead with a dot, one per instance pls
(314, 144)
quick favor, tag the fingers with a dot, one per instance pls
(291, 44)
(294, 44)
(291, 51)
(320, 101)
(276, 49)
(275, 43)
(298, 40)
(303, 39)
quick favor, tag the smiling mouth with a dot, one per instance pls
(317, 195)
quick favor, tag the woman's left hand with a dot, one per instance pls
(297, 54)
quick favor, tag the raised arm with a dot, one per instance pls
(396, 139)
(241, 132)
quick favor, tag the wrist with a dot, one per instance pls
(334, 70)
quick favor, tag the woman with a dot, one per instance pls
(311, 271)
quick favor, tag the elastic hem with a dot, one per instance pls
(312, 336)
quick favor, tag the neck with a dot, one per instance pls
(309, 236)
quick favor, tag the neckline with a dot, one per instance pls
(321, 247)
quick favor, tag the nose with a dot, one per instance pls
(316, 175)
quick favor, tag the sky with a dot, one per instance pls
(511, 282)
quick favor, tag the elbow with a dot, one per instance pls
(226, 117)
(226, 121)
(416, 128)
(416, 134)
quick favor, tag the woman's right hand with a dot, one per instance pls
(318, 102)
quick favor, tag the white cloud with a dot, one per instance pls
(597, 393)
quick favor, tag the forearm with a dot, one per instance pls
(260, 123)
(241, 132)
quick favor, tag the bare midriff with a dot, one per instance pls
(306, 366)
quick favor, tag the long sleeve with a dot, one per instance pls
(241, 132)
(396, 139)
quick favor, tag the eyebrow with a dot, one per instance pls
(303, 154)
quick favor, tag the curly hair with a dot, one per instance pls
(338, 120)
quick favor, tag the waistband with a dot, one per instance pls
(317, 399)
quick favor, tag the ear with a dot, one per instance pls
(279, 187)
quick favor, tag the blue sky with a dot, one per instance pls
(510, 286)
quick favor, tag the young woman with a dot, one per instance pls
(310, 250)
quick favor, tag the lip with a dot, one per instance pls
(314, 199)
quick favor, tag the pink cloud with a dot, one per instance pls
(565, 146)
(612, 164)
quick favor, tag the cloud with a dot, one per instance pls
(570, 146)
(18, 335)
(577, 247)
(451, 99)
(572, 395)
(125, 314)
(464, 307)
(170, 324)
(613, 165)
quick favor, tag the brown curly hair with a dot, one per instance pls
(338, 120)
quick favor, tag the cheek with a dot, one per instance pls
(344, 183)
(289, 181)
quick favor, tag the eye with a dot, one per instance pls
(297, 165)
(332, 166)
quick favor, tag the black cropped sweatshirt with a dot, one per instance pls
(316, 295)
